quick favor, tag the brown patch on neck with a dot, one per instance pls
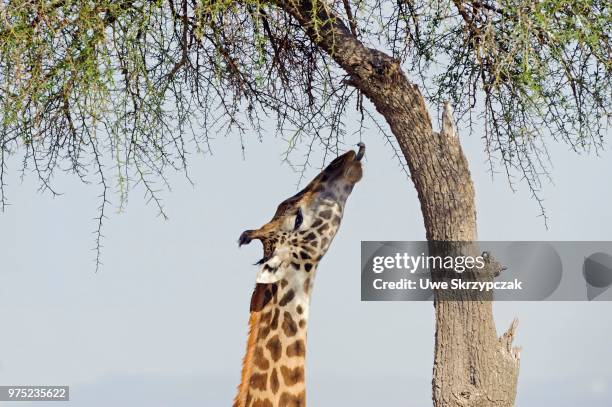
(262, 294)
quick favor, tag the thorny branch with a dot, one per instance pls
(121, 92)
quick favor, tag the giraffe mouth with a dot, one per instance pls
(244, 238)
(262, 260)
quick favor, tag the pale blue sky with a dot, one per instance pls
(164, 322)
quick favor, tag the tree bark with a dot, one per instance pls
(472, 366)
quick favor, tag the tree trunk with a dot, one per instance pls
(472, 366)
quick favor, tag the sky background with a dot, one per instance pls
(164, 322)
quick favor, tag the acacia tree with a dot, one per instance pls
(123, 91)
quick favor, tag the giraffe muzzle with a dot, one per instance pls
(245, 238)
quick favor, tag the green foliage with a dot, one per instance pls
(532, 68)
(122, 91)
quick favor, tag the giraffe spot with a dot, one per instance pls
(292, 376)
(289, 325)
(302, 323)
(324, 242)
(348, 188)
(294, 264)
(314, 243)
(297, 348)
(284, 283)
(316, 223)
(275, 347)
(323, 228)
(307, 267)
(287, 298)
(262, 294)
(271, 292)
(263, 332)
(310, 236)
(336, 220)
(294, 254)
(292, 400)
(274, 383)
(307, 285)
(308, 249)
(294, 241)
(299, 309)
(262, 403)
(259, 381)
(265, 318)
(274, 323)
(260, 360)
(304, 255)
(326, 214)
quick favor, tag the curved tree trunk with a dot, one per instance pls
(472, 366)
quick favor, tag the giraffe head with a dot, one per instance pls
(304, 225)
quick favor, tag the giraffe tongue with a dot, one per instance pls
(361, 151)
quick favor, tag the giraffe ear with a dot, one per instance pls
(271, 271)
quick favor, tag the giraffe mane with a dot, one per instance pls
(262, 294)
(247, 361)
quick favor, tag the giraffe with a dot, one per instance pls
(294, 241)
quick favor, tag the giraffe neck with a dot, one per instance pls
(273, 371)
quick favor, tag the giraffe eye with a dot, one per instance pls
(298, 219)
